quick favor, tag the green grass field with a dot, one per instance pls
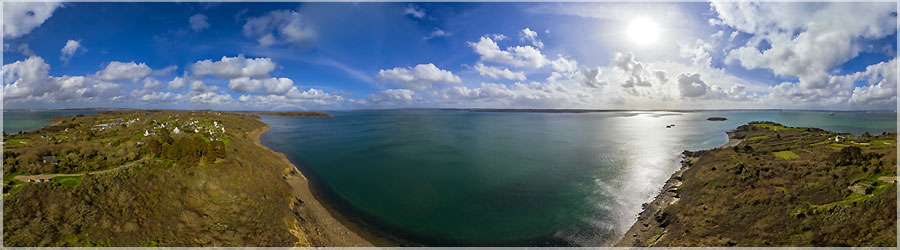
(787, 155)
(67, 181)
(774, 127)
(758, 138)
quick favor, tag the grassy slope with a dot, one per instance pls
(750, 195)
(237, 201)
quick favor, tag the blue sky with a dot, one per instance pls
(286, 56)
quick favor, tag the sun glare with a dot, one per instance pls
(643, 31)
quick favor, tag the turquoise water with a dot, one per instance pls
(26, 120)
(511, 179)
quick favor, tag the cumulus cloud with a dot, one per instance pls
(807, 40)
(124, 71)
(519, 56)
(420, 77)
(533, 94)
(198, 22)
(177, 83)
(165, 71)
(20, 18)
(275, 86)
(528, 35)
(591, 78)
(391, 97)
(497, 73)
(690, 85)
(152, 83)
(234, 67)
(437, 33)
(198, 86)
(414, 11)
(211, 98)
(881, 85)
(68, 51)
(281, 27)
(638, 73)
(29, 81)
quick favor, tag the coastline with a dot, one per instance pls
(652, 222)
(324, 226)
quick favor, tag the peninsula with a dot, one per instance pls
(780, 186)
(159, 178)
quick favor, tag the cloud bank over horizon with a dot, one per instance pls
(267, 56)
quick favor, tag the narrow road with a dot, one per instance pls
(47, 177)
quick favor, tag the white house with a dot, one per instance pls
(176, 130)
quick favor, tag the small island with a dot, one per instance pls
(779, 186)
(716, 119)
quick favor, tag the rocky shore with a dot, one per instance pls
(652, 221)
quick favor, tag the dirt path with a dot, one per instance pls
(47, 177)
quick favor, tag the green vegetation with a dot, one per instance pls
(801, 189)
(164, 188)
(773, 126)
(787, 155)
(67, 181)
(758, 138)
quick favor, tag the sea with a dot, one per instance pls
(458, 178)
(27, 120)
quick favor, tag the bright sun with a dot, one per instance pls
(643, 31)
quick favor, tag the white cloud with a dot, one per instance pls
(391, 97)
(882, 85)
(177, 83)
(198, 22)
(807, 40)
(29, 81)
(691, 85)
(497, 73)
(414, 11)
(68, 51)
(418, 78)
(591, 78)
(20, 18)
(519, 56)
(437, 33)
(124, 71)
(244, 84)
(234, 67)
(639, 74)
(274, 86)
(198, 86)
(211, 98)
(533, 94)
(528, 35)
(281, 27)
(165, 71)
(152, 83)
(293, 97)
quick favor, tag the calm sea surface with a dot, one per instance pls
(461, 178)
(25, 120)
(508, 179)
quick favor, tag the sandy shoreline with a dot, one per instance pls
(651, 222)
(324, 226)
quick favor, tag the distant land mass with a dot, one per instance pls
(779, 186)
